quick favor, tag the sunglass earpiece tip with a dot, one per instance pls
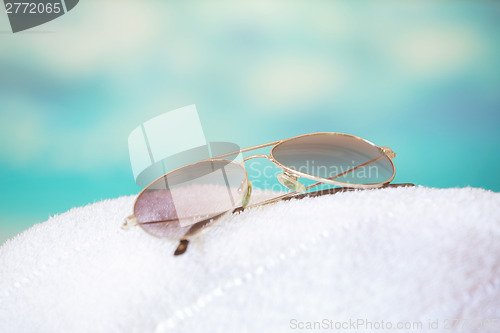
(182, 247)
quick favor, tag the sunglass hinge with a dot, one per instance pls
(130, 222)
(389, 152)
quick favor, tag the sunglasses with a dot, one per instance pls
(184, 202)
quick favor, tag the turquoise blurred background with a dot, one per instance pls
(422, 77)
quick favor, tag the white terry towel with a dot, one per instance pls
(404, 256)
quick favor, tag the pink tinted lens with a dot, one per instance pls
(169, 206)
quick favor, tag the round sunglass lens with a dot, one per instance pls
(170, 205)
(337, 157)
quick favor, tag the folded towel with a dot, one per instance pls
(403, 256)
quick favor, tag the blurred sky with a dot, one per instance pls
(422, 77)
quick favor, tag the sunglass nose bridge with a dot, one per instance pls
(290, 181)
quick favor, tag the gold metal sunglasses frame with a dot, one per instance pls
(289, 178)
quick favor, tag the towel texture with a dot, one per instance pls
(403, 256)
